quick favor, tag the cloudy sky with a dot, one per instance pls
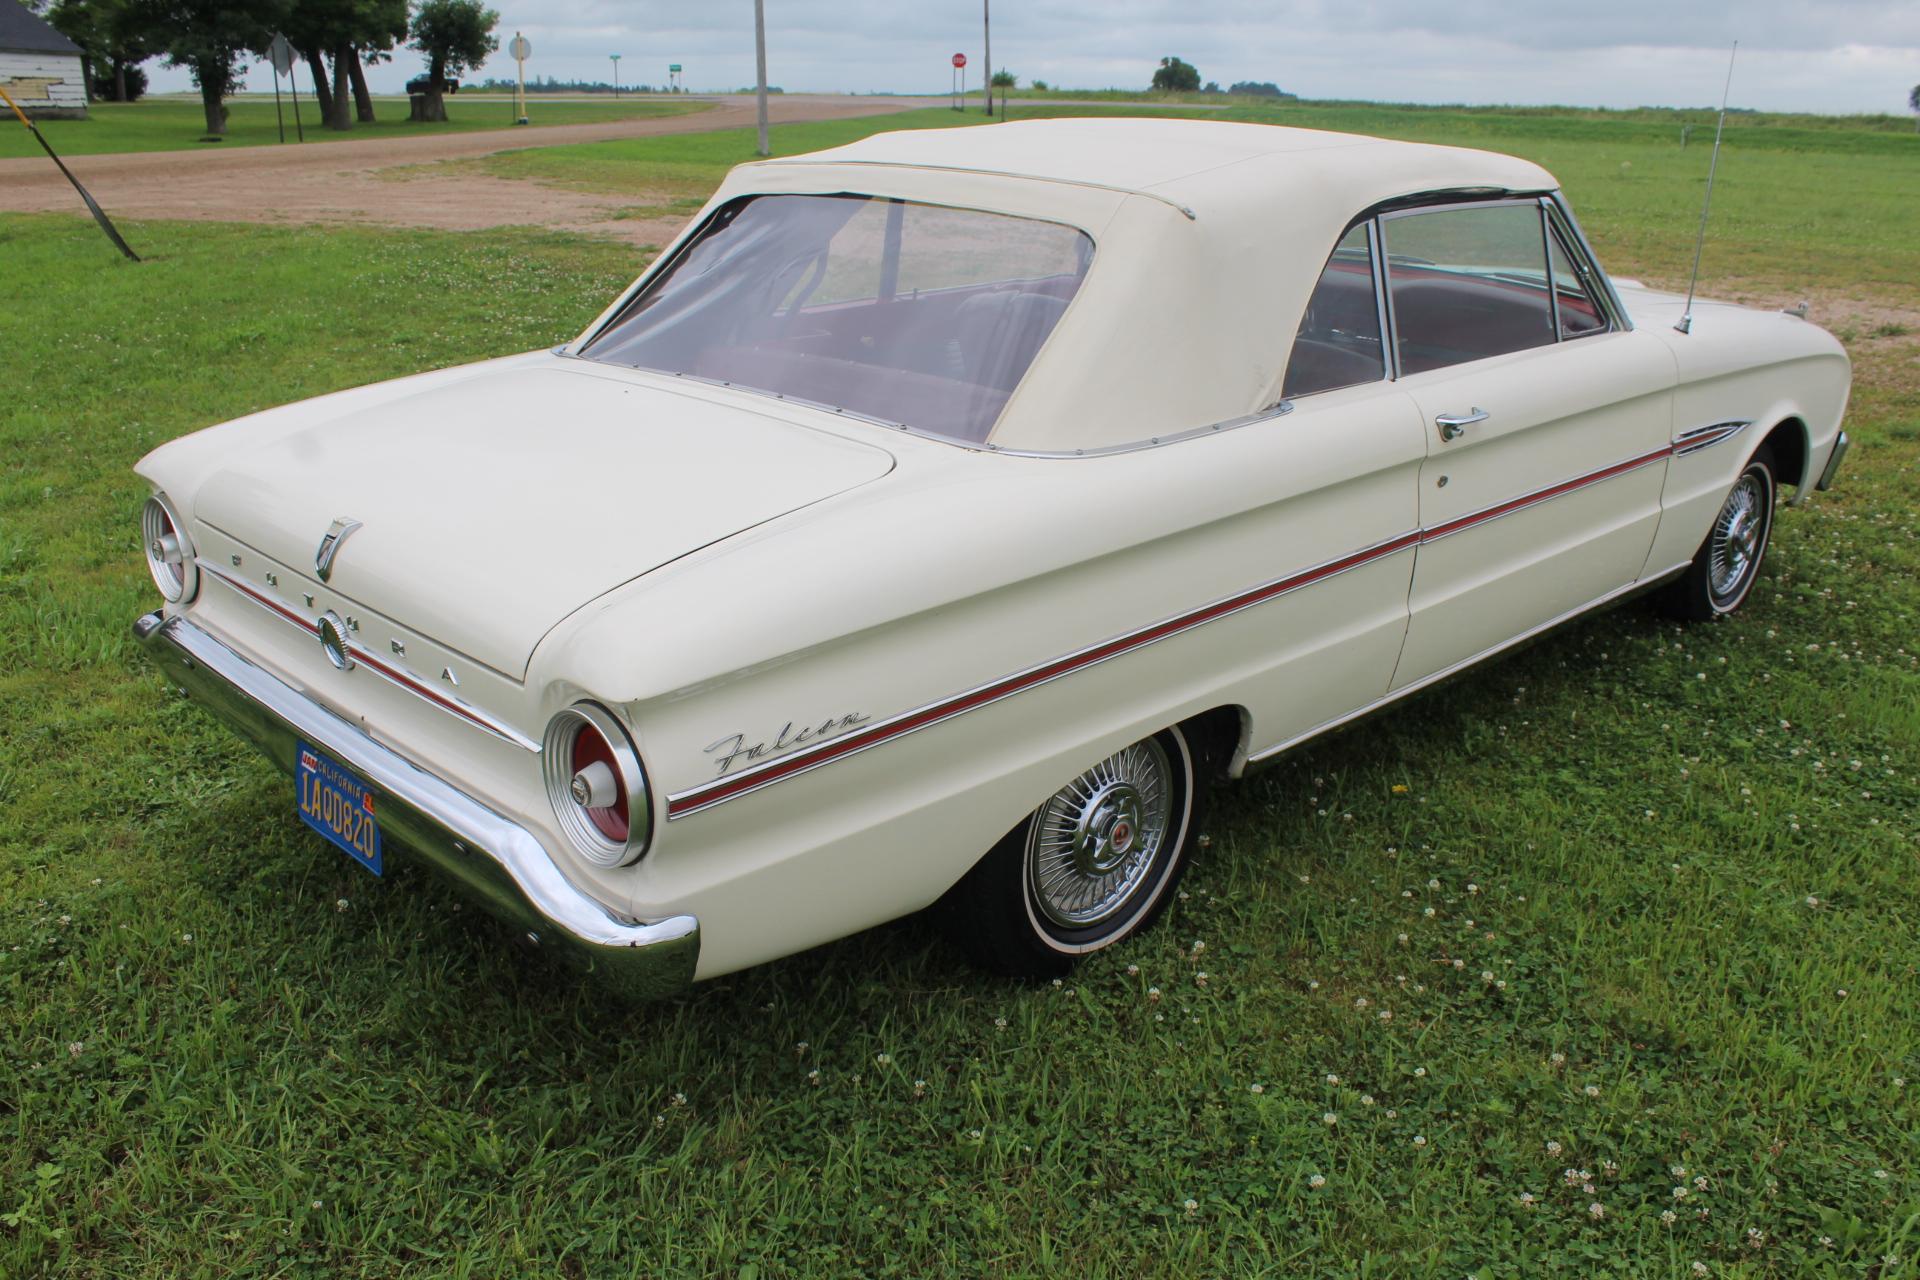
(1810, 55)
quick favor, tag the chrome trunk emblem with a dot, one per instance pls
(330, 546)
(334, 642)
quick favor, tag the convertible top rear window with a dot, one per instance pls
(911, 313)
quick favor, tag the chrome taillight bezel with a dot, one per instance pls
(170, 563)
(556, 767)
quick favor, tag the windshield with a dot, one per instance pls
(912, 313)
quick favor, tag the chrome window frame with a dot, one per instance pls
(1556, 224)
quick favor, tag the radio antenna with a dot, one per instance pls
(1700, 240)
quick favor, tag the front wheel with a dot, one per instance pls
(1094, 864)
(1728, 563)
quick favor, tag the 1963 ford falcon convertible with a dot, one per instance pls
(938, 511)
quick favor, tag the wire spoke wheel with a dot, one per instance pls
(1091, 847)
(1721, 574)
(1739, 538)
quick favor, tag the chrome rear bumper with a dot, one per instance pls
(495, 860)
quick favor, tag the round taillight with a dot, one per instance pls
(169, 552)
(596, 785)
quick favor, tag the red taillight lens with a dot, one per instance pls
(610, 820)
(597, 785)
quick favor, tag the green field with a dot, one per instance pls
(177, 124)
(1631, 909)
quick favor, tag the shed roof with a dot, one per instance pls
(22, 32)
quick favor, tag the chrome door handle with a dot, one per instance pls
(1454, 425)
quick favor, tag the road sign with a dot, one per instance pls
(282, 53)
(674, 67)
(520, 48)
(959, 59)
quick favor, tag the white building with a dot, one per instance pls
(40, 68)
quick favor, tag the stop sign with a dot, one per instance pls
(959, 59)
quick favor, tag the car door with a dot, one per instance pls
(1548, 428)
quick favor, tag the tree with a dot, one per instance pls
(456, 35)
(1176, 76)
(347, 31)
(209, 38)
(110, 45)
(1913, 105)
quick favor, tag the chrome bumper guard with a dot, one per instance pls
(496, 861)
(1840, 443)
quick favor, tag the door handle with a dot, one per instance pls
(1454, 425)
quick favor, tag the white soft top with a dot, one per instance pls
(1208, 237)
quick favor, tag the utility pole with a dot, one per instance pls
(986, 35)
(760, 59)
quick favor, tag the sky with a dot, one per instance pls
(1795, 55)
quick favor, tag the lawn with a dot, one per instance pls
(177, 124)
(1627, 920)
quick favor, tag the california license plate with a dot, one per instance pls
(339, 806)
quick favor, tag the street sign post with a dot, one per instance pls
(520, 48)
(616, 73)
(959, 79)
(281, 52)
(673, 77)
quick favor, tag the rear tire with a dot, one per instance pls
(1089, 868)
(1727, 564)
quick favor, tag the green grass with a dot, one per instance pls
(1688, 858)
(177, 124)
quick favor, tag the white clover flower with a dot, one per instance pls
(1553, 1148)
(1133, 971)
(1527, 1199)
(1433, 884)
(1597, 1209)
(1700, 1183)
(1700, 1268)
(341, 904)
(1256, 1088)
(1329, 1119)
(1191, 1206)
(883, 1059)
(1592, 1091)
(1678, 1171)
(1317, 1181)
(1668, 1217)
(1332, 1079)
(1366, 1099)
(1419, 1139)
(1419, 1073)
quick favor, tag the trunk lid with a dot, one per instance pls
(493, 507)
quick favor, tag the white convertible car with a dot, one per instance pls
(939, 511)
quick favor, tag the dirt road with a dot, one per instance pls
(341, 182)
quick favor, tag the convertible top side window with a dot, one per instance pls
(1339, 342)
(920, 315)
